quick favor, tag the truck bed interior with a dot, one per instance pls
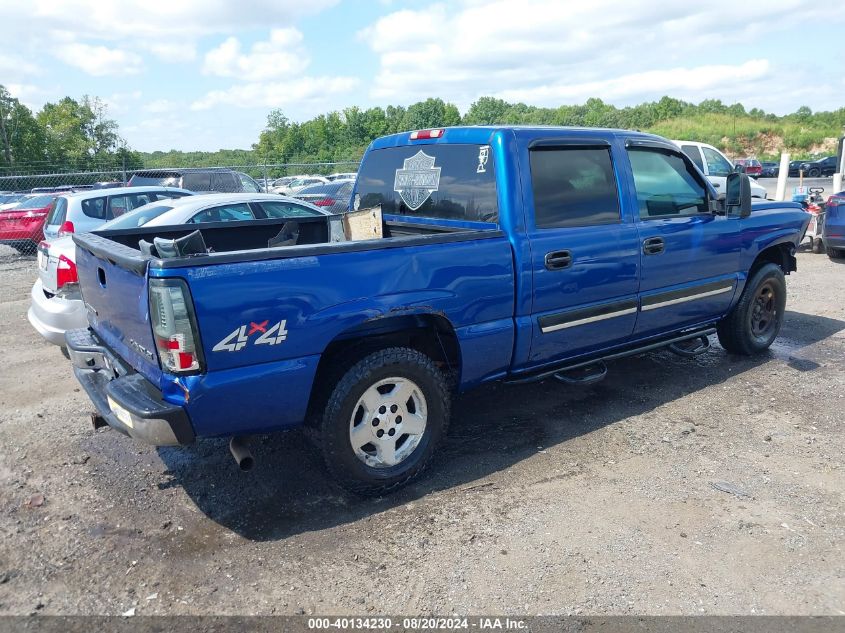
(264, 239)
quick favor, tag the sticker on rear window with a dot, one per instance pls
(417, 180)
(483, 157)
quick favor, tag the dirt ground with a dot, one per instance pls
(713, 485)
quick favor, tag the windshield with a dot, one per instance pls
(36, 202)
(138, 217)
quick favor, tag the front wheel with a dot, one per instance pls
(755, 321)
(384, 420)
(835, 253)
(814, 173)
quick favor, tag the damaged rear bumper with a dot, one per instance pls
(126, 400)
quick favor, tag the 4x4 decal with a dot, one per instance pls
(240, 337)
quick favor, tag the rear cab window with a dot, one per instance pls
(573, 187)
(437, 181)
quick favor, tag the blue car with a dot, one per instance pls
(833, 233)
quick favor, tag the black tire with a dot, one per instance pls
(336, 421)
(818, 246)
(814, 173)
(755, 321)
(834, 253)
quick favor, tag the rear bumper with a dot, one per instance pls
(126, 400)
(52, 317)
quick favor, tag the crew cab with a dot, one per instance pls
(504, 253)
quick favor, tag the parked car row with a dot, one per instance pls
(812, 169)
(23, 214)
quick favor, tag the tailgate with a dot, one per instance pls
(115, 295)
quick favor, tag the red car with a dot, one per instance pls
(750, 166)
(21, 226)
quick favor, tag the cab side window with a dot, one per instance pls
(94, 208)
(694, 155)
(224, 213)
(573, 187)
(717, 165)
(666, 185)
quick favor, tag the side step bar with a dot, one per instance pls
(595, 376)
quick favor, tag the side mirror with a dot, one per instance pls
(738, 195)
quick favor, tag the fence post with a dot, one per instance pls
(783, 174)
(124, 168)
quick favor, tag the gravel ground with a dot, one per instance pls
(712, 485)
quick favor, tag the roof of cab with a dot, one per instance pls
(482, 134)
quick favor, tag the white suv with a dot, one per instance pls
(85, 211)
(715, 165)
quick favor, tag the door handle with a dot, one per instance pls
(654, 246)
(558, 260)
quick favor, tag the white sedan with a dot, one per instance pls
(55, 302)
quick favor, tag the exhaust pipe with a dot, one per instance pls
(241, 453)
(98, 421)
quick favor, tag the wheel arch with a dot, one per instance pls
(432, 334)
(782, 254)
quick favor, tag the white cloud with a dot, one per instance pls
(678, 82)
(160, 106)
(173, 52)
(99, 60)
(14, 67)
(162, 20)
(547, 52)
(170, 30)
(281, 55)
(313, 90)
(121, 102)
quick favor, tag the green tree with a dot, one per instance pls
(21, 138)
(78, 133)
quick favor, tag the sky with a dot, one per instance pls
(204, 74)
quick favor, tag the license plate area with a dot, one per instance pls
(120, 413)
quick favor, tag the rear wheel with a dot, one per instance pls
(754, 322)
(383, 420)
(835, 253)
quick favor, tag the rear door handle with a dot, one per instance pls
(654, 246)
(558, 260)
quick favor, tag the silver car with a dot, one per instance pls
(55, 302)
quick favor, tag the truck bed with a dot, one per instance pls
(231, 242)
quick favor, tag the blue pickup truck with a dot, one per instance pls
(506, 253)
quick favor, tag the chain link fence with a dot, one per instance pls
(27, 193)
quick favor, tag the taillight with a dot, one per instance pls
(422, 134)
(65, 272)
(174, 326)
(325, 202)
(66, 228)
(835, 201)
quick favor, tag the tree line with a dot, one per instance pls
(78, 135)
